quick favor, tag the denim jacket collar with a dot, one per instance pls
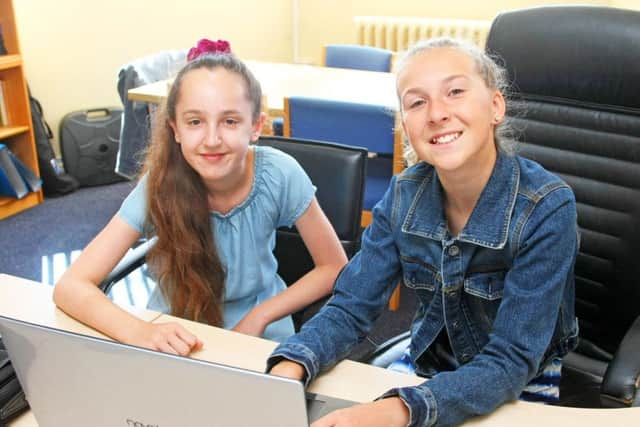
(489, 222)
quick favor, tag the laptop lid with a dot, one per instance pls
(76, 381)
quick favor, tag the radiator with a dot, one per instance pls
(398, 34)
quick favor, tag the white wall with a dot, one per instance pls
(331, 21)
(73, 49)
(626, 4)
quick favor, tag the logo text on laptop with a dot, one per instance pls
(133, 423)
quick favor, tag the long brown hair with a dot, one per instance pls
(185, 259)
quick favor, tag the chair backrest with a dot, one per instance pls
(357, 57)
(338, 172)
(363, 125)
(576, 70)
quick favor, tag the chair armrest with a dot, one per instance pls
(622, 378)
(391, 350)
(133, 259)
(387, 352)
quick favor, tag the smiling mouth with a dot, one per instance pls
(212, 156)
(445, 139)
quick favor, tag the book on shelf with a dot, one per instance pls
(3, 49)
(16, 179)
(4, 111)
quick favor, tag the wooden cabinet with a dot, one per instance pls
(18, 135)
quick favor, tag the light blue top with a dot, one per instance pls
(245, 237)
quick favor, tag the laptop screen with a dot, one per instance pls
(76, 380)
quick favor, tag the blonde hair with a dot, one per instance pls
(493, 75)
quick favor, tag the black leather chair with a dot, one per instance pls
(338, 172)
(577, 72)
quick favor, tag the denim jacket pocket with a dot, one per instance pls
(488, 286)
(420, 277)
(483, 295)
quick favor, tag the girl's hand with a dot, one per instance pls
(169, 338)
(253, 323)
(288, 369)
(389, 412)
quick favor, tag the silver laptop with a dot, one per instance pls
(75, 380)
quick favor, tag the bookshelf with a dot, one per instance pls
(18, 134)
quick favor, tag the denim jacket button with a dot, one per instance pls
(453, 294)
(465, 357)
(453, 250)
(456, 324)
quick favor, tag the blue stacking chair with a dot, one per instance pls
(363, 125)
(357, 57)
(352, 56)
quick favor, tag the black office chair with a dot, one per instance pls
(338, 172)
(366, 125)
(577, 70)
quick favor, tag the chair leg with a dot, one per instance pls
(367, 217)
(394, 301)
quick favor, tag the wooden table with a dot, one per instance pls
(280, 80)
(31, 301)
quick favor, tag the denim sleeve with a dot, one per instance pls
(361, 293)
(541, 273)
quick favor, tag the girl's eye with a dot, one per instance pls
(193, 122)
(456, 91)
(230, 122)
(416, 103)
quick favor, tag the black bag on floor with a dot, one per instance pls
(54, 182)
(12, 399)
(89, 141)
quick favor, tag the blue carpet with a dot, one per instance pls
(37, 243)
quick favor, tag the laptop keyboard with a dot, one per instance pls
(319, 405)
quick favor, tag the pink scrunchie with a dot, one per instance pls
(208, 46)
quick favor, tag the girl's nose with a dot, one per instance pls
(213, 138)
(438, 112)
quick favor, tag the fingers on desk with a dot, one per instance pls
(172, 338)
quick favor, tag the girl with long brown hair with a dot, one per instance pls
(214, 201)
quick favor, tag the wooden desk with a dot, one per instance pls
(30, 301)
(26, 300)
(280, 80)
(235, 352)
(33, 302)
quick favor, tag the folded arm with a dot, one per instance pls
(328, 257)
(77, 294)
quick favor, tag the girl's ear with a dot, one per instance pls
(173, 127)
(257, 127)
(499, 107)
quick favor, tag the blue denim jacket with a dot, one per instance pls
(503, 288)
